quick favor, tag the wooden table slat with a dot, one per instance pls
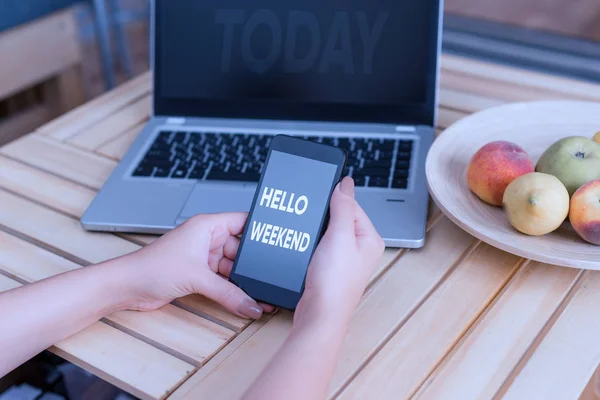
(109, 353)
(176, 331)
(496, 89)
(96, 110)
(141, 239)
(433, 215)
(569, 354)
(488, 354)
(66, 236)
(188, 387)
(121, 359)
(376, 318)
(385, 308)
(416, 349)
(467, 102)
(208, 309)
(27, 262)
(7, 283)
(234, 375)
(117, 147)
(52, 191)
(61, 159)
(389, 257)
(90, 247)
(447, 117)
(114, 125)
(173, 330)
(48, 189)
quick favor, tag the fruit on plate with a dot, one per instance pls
(585, 212)
(575, 160)
(597, 137)
(494, 166)
(536, 203)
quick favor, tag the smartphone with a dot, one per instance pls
(287, 218)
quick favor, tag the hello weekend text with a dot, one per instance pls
(276, 235)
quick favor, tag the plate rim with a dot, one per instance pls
(494, 242)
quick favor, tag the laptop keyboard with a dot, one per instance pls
(381, 163)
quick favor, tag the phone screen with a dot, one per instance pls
(284, 227)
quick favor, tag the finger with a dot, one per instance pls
(363, 225)
(225, 267)
(347, 186)
(342, 208)
(229, 252)
(223, 228)
(231, 246)
(366, 232)
(231, 297)
(233, 222)
(267, 308)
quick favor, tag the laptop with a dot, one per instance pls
(228, 75)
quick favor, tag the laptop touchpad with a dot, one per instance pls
(217, 198)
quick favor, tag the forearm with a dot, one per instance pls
(38, 315)
(303, 367)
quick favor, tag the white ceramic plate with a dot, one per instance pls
(534, 126)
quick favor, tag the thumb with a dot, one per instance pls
(230, 296)
(343, 207)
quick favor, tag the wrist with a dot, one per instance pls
(315, 311)
(324, 331)
(119, 284)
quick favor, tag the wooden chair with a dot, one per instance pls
(40, 72)
(111, 18)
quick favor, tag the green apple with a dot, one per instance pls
(574, 160)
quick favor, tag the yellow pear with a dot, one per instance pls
(597, 137)
(536, 203)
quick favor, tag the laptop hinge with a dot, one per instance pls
(176, 121)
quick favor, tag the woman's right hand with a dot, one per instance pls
(343, 263)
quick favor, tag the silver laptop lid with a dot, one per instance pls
(374, 61)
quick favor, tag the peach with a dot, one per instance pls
(596, 137)
(585, 212)
(494, 166)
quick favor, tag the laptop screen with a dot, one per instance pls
(352, 60)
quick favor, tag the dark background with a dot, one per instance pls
(393, 81)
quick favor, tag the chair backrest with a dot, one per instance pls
(40, 57)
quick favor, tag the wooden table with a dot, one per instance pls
(456, 319)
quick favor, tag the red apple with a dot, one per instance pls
(494, 167)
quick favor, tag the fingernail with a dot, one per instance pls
(249, 308)
(347, 186)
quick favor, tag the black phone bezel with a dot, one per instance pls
(262, 291)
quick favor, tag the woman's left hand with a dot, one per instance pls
(195, 257)
(192, 258)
